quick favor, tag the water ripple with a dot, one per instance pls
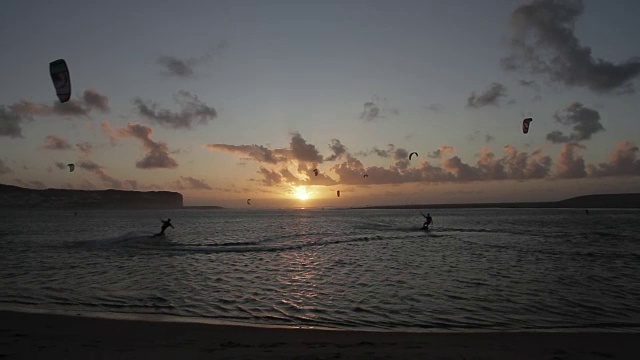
(477, 269)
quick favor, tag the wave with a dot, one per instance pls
(131, 237)
(145, 241)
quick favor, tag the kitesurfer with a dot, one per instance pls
(165, 225)
(427, 221)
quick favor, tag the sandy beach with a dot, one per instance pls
(40, 336)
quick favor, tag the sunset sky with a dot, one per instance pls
(229, 100)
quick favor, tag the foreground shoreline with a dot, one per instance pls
(27, 335)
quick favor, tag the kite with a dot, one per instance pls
(525, 125)
(71, 167)
(315, 171)
(61, 79)
(412, 154)
(249, 201)
(338, 193)
(365, 176)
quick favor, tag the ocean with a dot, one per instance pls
(476, 270)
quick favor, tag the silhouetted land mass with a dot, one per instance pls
(626, 201)
(15, 197)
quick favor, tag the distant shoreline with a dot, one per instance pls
(602, 201)
(202, 207)
(15, 197)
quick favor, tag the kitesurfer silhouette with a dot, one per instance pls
(427, 221)
(165, 225)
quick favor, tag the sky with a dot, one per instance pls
(225, 101)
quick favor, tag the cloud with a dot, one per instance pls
(400, 155)
(298, 150)
(544, 42)
(4, 169)
(10, 122)
(94, 100)
(85, 165)
(623, 161)
(231, 190)
(302, 151)
(157, 156)
(306, 155)
(185, 67)
(174, 66)
(337, 149)
(521, 165)
(351, 172)
(441, 151)
(462, 172)
(256, 152)
(91, 100)
(322, 179)
(111, 134)
(585, 121)
(190, 183)
(193, 110)
(372, 109)
(491, 96)
(72, 108)
(529, 84)
(12, 116)
(569, 164)
(107, 179)
(513, 165)
(384, 153)
(53, 142)
(289, 177)
(85, 148)
(270, 177)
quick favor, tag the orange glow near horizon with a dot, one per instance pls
(301, 193)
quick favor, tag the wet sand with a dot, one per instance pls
(45, 336)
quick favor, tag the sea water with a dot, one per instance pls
(476, 269)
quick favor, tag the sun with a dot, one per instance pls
(301, 193)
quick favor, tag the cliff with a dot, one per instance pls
(15, 197)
